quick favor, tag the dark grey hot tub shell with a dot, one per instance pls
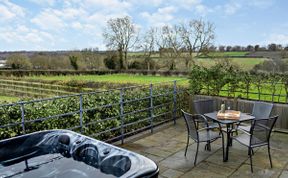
(63, 153)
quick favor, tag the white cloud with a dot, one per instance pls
(5, 13)
(24, 35)
(188, 4)
(261, 3)
(76, 25)
(161, 16)
(106, 5)
(44, 2)
(9, 11)
(277, 38)
(231, 8)
(153, 3)
(48, 20)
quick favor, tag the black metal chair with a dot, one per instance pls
(205, 106)
(258, 136)
(205, 134)
(261, 110)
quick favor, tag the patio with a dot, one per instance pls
(167, 146)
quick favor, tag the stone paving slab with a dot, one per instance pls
(167, 146)
(284, 174)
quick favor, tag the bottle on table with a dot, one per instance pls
(222, 110)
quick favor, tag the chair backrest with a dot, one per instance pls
(191, 125)
(204, 106)
(262, 110)
(261, 130)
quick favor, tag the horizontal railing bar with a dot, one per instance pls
(72, 128)
(161, 105)
(165, 113)
(100, 133)
(113, 138)
(137, 130)
(10, 125)
(136, 122)
(161, 122)
(50, 117)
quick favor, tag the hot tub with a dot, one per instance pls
(66, 154)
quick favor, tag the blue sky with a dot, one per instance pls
(78, 24)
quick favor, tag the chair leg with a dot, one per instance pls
(187, 145)
(269, 155)
(195, 160)
(250, 155)
(223, 148)
(207, 146)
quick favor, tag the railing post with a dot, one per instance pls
(174, 101)
(121, 115)
(81, 112)
(23, 117)
(151, 106)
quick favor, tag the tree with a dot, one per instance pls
(228, 48)
(196, 35)
(73, 62)
(148, 45)
(121, 35)
(173, 42)
(250, 48)
(236, 48)
(272, 47)
(18, 61)
(222, 48)
(256, 47)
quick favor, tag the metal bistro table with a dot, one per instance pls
(229, 127)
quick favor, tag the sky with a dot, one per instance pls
(76, 24)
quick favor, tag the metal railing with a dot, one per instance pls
(272, 92)
(156, 103)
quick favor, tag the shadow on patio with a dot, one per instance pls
(167, 145)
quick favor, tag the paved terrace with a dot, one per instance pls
(167, 145)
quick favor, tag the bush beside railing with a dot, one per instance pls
(107, 115)
(246, 106)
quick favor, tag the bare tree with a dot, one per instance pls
(149, 44)
(196, 35)
(173, 42)
(121, 35)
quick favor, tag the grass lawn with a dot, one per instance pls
(9, 99)
(232, 53)
(247, 63)
(112, 78)
(244, 63)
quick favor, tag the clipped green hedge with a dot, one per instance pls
(93, 112)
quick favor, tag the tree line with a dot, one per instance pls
(185, 41)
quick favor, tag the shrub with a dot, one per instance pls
(95, 116)
(19, 61)
(111, 62)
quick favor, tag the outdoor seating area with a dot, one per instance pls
(167, 147)
(203, 144)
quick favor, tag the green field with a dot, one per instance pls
(248, 63)
(8, 99)
(41, 86)
(113, 78)
(228, 54)
(244, 63)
